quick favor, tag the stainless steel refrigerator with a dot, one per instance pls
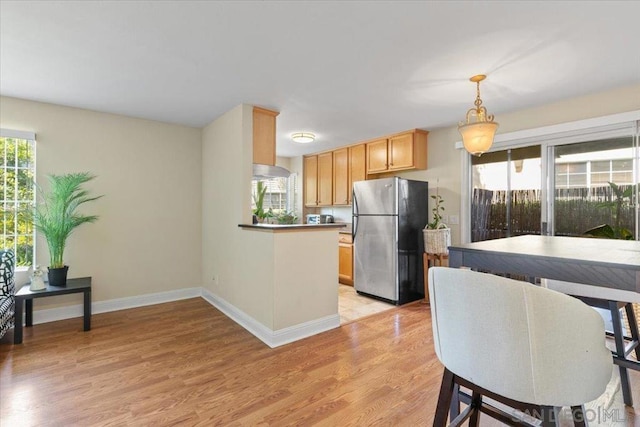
(388, 217)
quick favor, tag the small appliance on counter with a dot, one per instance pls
(313, 219)
(320, 219)
(326, 219)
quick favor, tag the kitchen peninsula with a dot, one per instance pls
(296, 294)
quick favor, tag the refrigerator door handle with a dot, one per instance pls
(354, 229)
(354, 216)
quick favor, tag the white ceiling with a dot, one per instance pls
(346, 71)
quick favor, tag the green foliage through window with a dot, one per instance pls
(17, 197)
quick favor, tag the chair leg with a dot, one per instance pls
(476, 403)
(444, 399)
(633, 326)
(616, 321)
(577, 413)
(454, 406)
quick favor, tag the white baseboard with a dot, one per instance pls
(76, 310)
(270, 337)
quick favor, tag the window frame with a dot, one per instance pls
(29, 136)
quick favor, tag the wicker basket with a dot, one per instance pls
(437, 241)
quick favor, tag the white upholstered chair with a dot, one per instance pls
(525, 346)
(612, 300)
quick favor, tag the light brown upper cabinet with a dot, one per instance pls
(325, 179)
(311, 181)
(377, 156)
(348, 167)
(357, 166)
(318, 180)
(341, 177)
(403, 151)
(264, 136)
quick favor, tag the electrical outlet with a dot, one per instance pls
(454, 219)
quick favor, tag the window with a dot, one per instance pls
(590, 201)
(17, 192)
(280, 195)
(506, 193)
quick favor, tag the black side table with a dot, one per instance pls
(74, 286)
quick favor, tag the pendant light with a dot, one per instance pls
(479, 129)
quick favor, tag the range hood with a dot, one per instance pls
(268, 171)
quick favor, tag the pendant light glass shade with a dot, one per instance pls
(479, 129)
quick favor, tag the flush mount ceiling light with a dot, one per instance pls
(303, 137)
(479, 130)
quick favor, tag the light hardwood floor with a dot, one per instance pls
(185, 363)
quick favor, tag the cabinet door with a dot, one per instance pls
(325, 179)
(311, 181)
(377, 156)
(341, 177)
(345, 260)
(357, 167)
(401, 151)
(264, 136)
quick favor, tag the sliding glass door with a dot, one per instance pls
(596, 191)
(577, 183)
(506, 193)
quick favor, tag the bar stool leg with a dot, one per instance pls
(633, 326)
(616, 320)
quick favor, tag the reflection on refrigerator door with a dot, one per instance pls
(376, 257)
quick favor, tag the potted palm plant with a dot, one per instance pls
(58, 216)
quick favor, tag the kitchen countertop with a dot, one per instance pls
(290, 227)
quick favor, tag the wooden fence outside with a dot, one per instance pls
(576, 211)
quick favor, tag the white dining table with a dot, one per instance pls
(607, 263)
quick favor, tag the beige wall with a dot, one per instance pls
(242, 262)
(306, 276)
(148, 237)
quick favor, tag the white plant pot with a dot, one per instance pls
(437, 241)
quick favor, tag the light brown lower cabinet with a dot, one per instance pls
(345, 259)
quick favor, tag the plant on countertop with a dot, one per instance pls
(58, 215)
(615, 232)
(258, 199)
(437, 210)
(286, 217)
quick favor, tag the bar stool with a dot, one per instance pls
(524, 346)
(612, 300)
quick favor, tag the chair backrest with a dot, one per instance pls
(518, 340)
(7, 266)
